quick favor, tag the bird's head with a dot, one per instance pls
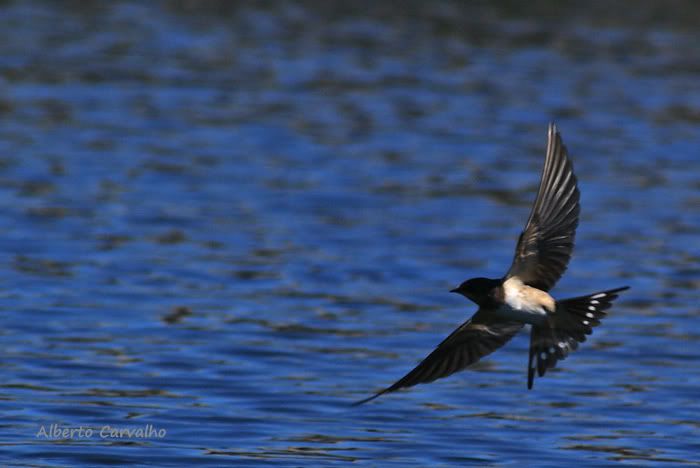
(476, 289)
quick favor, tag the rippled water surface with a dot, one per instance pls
(228, 221)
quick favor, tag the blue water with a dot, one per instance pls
(229, 221)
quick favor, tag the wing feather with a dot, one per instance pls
(545, 245)
(474, 339)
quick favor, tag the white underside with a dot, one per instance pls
(536, 316)
(522, 303)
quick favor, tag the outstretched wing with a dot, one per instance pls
(574, 319)
(544, 247)
(474, 339)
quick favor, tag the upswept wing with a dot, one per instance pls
(545, 245)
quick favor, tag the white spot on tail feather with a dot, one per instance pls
(591, 308)
(590, 315)
(598, 296)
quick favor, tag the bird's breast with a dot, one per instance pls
(524, 303)
(535, 316)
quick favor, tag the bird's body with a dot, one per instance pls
(525, 303)
(521, 297)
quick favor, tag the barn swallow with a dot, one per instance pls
(522, 296)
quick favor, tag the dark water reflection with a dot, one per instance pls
(229, 221)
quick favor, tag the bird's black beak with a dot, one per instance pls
(455, 290)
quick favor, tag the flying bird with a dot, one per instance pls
(522, 296)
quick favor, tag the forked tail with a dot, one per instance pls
(573, 320)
